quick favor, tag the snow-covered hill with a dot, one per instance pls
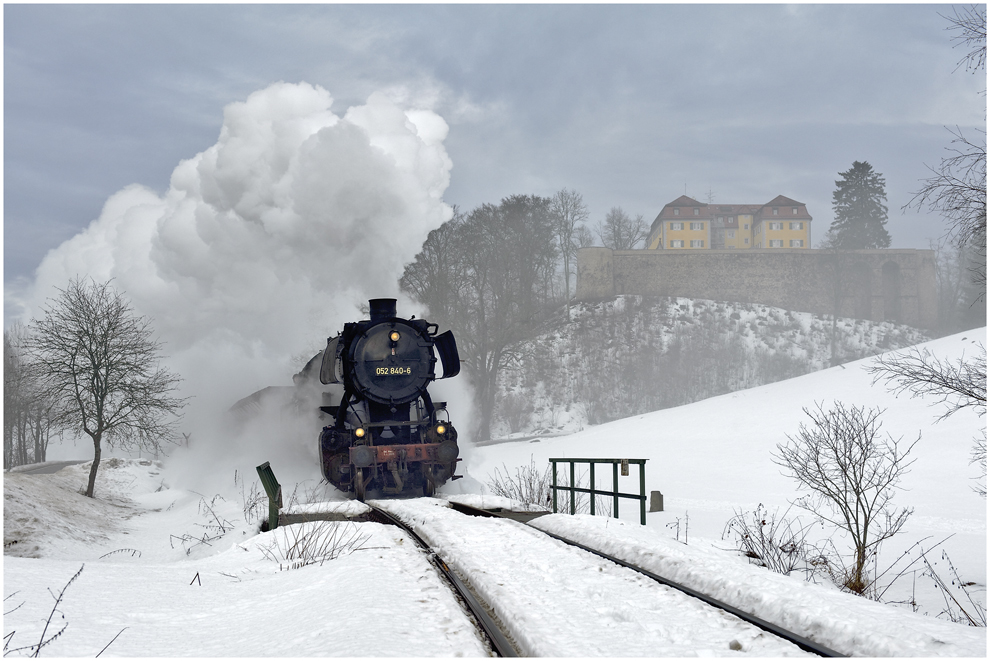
(634, 354)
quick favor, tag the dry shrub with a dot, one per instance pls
(313, 543)
(529, 486)
(777, 543)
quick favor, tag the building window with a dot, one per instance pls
(776, 226)
(697, 244)
(697, 211)
(797, 243)
(794, 211)
(677, 212)
(746, 240)
(732, 234)
(698, 226)
(677, 226)
(776, 243)
(677, 243)
(775, 211)
(746, 226)
(796, 226)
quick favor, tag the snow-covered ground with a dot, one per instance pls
(173, 572)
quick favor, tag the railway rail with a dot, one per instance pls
(802, 642)
(501, 641)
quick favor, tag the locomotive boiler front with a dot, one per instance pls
(388, 435)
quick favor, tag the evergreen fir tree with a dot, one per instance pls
(860, 210)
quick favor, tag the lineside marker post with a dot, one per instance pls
(274, 491)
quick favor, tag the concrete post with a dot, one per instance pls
(656, 501)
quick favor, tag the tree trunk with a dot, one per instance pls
(834, 360)
(858, 585)
(487, 401)
(96, 466)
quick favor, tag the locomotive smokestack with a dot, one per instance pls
(382, 308)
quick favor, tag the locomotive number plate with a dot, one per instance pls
(392, 371)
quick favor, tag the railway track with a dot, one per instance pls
(487, 624)
(491, 613)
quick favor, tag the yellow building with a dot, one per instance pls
(782, 223)
(686, 223)
(682, 224)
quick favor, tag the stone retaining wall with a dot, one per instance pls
(896, 285)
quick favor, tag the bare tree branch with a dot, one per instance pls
(970, 26)
(918, 371)
(957, 386)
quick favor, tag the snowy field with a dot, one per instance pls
(170, 571)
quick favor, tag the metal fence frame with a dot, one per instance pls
(615, 493)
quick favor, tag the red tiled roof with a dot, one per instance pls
(684, 202)
(784, 206)
(732, 211)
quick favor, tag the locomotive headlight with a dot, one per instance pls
(394, 336)
(359, 432)
(441, 429)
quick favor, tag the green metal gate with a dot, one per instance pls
(615, 493)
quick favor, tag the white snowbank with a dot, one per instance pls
(846, 623)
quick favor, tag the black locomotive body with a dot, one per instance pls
(388, 436)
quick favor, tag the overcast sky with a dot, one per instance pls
(631, 105)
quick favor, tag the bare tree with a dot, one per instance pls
(583, 237)
(489, 275)
(568, 209)
(829, 244)
(29, 418)
(99, 364)
(958, 385)
(953, 289)
(435, 276)
(620, 232)
(957, 188)
(851, 472)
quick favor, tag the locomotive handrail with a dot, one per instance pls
(615, 493)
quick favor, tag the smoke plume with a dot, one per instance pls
(269, 240)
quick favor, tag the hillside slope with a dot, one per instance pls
(635, 354)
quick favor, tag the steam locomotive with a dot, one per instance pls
(388, 436)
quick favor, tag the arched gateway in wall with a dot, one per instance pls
(896, 285)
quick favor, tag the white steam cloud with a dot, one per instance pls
(271, 239)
